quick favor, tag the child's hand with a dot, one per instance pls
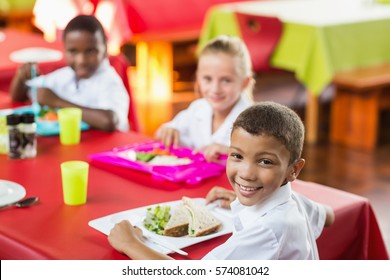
(213, 152)
(24, 72)
(123, 235)
(225, 196)
(47, 97)
(168, 136)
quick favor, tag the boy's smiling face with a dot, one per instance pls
(84, 51)
(257, 165)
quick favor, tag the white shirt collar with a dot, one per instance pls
(244, 216)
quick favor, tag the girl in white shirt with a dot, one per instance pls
(270, 220)
(224, 81)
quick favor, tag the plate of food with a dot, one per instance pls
(176, 224)
(47, 122)
(179, 164)
(47, 119)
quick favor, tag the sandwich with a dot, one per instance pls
(178, 223)
(191, 219)
(201, 220)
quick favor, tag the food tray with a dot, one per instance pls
(192, 173)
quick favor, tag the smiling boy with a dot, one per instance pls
(271, 221)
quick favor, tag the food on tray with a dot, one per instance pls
(145, 157)
(160, 152)
(157, 218)
(48, 114)
(156, 156)
(169, 160)
(191, 219)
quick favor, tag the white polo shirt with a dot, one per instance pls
(284, 227)
(195, 123)
(103, 90)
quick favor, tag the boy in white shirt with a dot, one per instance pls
(88, 82)
(271, 221)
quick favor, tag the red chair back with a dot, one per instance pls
(260, 34)
(121, 64)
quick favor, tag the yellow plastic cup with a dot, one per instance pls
(69, 120)
(75, 182)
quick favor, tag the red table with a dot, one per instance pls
(16, 40)
(53, 230)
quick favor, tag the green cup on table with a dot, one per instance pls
(74, 176)
(69, 120)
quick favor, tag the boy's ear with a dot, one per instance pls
(295, 169)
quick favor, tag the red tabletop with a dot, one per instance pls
(15, 40)
(53, 230)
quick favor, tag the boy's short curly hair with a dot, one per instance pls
(85, 23)
(279, 121)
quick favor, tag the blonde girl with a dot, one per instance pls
(224, 82)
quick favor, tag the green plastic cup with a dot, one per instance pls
(74, 182)
(69, 120)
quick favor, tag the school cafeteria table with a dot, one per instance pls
(53, 230)
(14, 40)
(319, 38)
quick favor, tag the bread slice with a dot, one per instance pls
(201, 220)
(178, 223)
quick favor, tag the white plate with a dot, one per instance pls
(10, 192)
(135, 216)
(35, 55)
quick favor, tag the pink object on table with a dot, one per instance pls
(191, 173)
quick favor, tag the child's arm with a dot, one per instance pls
(105, 120)
(225, 196)
(128, 240)
(18, 88)
(329, 216)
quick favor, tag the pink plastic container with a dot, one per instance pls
(191, 173)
